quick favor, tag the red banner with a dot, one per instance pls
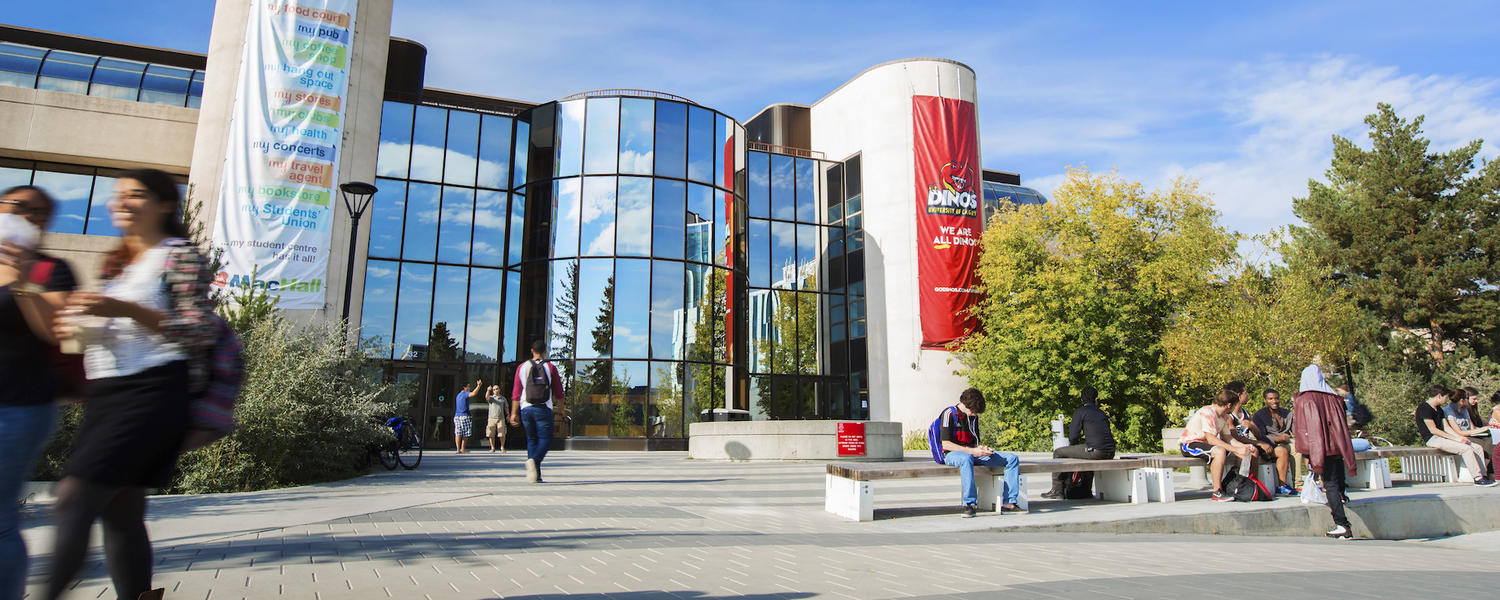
(948, 194)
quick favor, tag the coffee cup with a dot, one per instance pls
(86, 329)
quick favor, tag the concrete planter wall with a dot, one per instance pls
(788, 440)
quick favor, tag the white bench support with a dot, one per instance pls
(1021, 501)
(1122, 486)
(1266, 473)
(1432, 469)
(1374, 474)
(850, 499)
(989, 487)
(1161, 484)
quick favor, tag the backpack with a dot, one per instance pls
(1078, 485)
(537, 387)
(1246, 488)
(212, 410)
(935, 437)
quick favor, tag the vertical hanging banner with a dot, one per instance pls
(948, 227)
(277, 193)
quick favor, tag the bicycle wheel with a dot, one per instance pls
(409, 449)
(388, 455)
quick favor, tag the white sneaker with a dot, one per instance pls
(1340, 532)
(531, 471)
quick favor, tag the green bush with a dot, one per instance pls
(915, 439)
(1392, 395)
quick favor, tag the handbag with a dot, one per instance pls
(1312, 493)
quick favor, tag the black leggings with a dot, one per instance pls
(1334, 486)
(127, 549)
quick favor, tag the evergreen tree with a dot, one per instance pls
(1415, 233)
(441, 347)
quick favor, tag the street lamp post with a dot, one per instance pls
(357, 195)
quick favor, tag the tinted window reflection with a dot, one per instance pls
(513, 319)
(72, 192)
(807, 257)
(627, 416)
(413, 307)
(758, 249)
(494, 152)
(387, 213)
(483, 333)
(377, 318)
(700, 225)
(427, 143)
(634, 222)
(666, 311)
(595, 302)
(448, 314)
(699, 324)
(807, 191)
(724, 229)
(632, 310)
(515, 228)
(602, 135)
(758, 184)
(395, 140)
(637, 116)
(783, 255)
(671, 138)
(522, 150)
(664, 417)
(598, 216)
(700, 144)
(783, 194)
(667, 214)
(589, 398)
(421, 222)
(563, 325)
(99, 221)
(489, 228)
(463, 148)
(455, 231)
(569, 151)
(723, 153)
(565, 222)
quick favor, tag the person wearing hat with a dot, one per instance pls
(1322, 435)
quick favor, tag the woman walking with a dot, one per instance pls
(32, 288)
(143, 355)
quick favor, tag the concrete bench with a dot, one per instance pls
(849, 491)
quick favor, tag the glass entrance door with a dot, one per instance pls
(437, 423)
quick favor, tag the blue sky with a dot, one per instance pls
(1243, 98)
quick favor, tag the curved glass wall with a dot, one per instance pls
(48, 69)
(624, 231)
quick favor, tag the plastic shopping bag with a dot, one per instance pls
(1312, 493)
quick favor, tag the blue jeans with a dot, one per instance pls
(537, 419)
(965, 463)
(23, 432)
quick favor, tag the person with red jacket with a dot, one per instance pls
(1322, 435)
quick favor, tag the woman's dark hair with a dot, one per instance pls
(40, 193)
(1436, 390)
(164, 188)
(1226, 397)
(973, 399)
(1238, 387)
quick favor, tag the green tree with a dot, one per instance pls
(441, 347)
(1416, 233)
(1079, 292)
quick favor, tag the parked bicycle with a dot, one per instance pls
(404, 448)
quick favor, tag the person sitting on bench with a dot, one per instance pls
(959, 434)
(1089, 437)
(1276, 423)
(1208, 435)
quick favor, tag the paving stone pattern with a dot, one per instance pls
(637, 526)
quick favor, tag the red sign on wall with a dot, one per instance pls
(948, 223)
(851, 439)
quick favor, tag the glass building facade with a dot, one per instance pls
(40, 68)
(81, 192)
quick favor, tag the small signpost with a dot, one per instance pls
(851, 439)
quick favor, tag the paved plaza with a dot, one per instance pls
(631, 525)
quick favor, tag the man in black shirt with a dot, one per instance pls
(1430, 427)
(1089, 437)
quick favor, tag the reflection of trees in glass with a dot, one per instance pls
(591, 401)
(666, 400)
(706, 345)
(441, 347)
(565, 313)
(793, 348)
(625, 417)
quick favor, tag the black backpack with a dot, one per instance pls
(537, 387)
(1078, 485)
(1247, 489)
(1361, 415)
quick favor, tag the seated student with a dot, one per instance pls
(1461, 416)
(1208, 435)
(1275, 423)
(960, 438)
(1247, 432)
(1494, 428)
(1088, 437)
(1430, 426)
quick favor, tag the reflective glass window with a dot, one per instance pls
(671, 138)
(807, 333)
(632, 310)
(455, 229)
(489, 228)
(563, 325)
(596, 315)
(420, 240)
(413, 309)
(700, 223)
(667, 211)
(758, 184)
(166, 85)
(699, 324)
(19, 64)
(387, 213)
(720, 310)
(627, 416)
(637, 116)
(494, 152)
(723, 228)
(195, 90)
(784, 331)
(807, 257)
(71, 187)
(783, 255)
(118, 79)
(807, 191)
(377, 317)
(569, 149)
(598, 216)
(588, 400)
(515, 228)
(449, 318)
(703, 390)
(521, 151)
(601, 135)
(462, 156)
(758, 249)
(483, 333)
(395, 140)
(723, 152)
(18, 174)
(783, 187)
(427, 143)
(565, 222)
(667, 316)
(758, 312)
(66, 72)
(511, 348)
(664, 416)
(99, 220)
(700, 159)
(633, 235)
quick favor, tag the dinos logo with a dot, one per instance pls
(953, 195)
